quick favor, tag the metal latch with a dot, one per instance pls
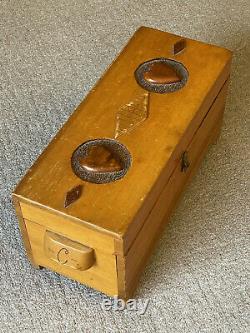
(184, 161)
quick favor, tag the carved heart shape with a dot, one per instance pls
(161, 73)
(101, 159)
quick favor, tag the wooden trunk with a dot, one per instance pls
(103, 233)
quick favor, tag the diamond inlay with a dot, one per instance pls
(132, 114)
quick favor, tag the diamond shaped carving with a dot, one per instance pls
(73, 195)
(179, 46)
(132, 114)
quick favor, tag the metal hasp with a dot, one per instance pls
(184, 161)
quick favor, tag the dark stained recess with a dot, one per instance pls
(73, 195)
(179, 46)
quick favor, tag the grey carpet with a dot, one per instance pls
(51, 54)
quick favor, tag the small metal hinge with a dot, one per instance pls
(184, 161)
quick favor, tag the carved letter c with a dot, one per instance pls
(66, 251)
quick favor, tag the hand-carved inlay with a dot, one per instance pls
(160, 72)
(132, 114)
(100, 159)
(73, 195)
(161, 75)
(62, 255)
(179, 46)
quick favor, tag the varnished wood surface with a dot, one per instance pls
(23, 230)
(161, 73)
(75, 230)
(100, 159)
(134, 227)
(101, 275)
(121, 207)
(67, 252)
(140, 250)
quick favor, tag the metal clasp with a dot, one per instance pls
(184, 161)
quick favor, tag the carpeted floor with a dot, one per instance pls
(51, 54)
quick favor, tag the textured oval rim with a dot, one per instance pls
(161, 88)
(101, 177)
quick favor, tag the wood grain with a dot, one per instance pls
(121, 220)
(67, 252)
(173, 118)
(140, 250)
(23, 230)
(101, 276)
(74, 230)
